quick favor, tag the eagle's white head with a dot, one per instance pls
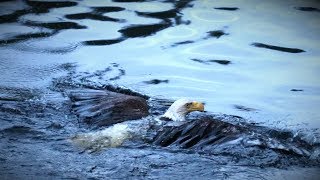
(180, 108)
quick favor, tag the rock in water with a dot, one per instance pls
(104, 108)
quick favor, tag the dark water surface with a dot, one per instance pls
(254, 59)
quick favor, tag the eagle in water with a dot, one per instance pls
(95, 106)
(122, 117)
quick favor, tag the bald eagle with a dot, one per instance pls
(124, 115)
(172, 129)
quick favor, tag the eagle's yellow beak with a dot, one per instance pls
(196, 106)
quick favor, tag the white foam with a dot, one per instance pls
(112, 136)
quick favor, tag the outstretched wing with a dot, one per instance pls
(197, 134)
(216, 136)
(103, 108)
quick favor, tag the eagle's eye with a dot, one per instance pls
(188, 105)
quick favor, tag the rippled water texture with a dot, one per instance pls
(261, 55)
(254, 59)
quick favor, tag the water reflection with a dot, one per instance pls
(207, 62)
(97, 14)
(36, 7)
(103, 42)
(156, 81)
(217, 34)
(277, 48)
(227, 8)
(308, 9)
(25, 37)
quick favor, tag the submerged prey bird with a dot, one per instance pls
(116, 134)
